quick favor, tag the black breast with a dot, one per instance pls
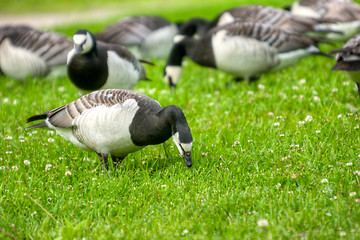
(89, 72)
(147, 128)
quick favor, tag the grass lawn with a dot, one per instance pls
(271, 160)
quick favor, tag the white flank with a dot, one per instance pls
(174, 72)
(184, 146)
(241, 56)
(349, 29)
(158, 43)
(19, 63)
(122, 74)
(288, 59)
(225, 18)
(104, 129)
(297, 9)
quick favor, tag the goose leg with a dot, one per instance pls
(116, 160)
(104, 160)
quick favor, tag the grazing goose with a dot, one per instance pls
(145, 36)
(345, 16)
(244, 49)
(348, 59)
(94, 65)
(118, 122)
(252, 13)
(25, 51)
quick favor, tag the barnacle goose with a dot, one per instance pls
(348, 59)
(243, 49)
(94, 65)
(146, 36)
(344, 16)
(118, 122)
(25, 51)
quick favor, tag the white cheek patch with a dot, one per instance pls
(79, 39)
(182, 147)
(178, 38)
(174, 72)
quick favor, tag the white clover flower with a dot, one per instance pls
(51, 140)
(282, 135)
(271, 114)
(342, 234)
(346, 83)
(295, 87)
(61, 89)
(278, 185)
(34, 213)
(14, 168)
(302, 81)
(27, 162)
(5, 100)
(308, 118)
(260, 86)
(335, 90)
(8, 138)
(94, 179)
(250, 92)
(49, 199)
(316, 99)
(48, 167)
(2, 168)
(263, 223)
(339, 116)
(276, 124)
(324, 180)
(163, 186)
(349, 164)
(317, 131)
(68, 173)
(301, 123)
(352, 194)
(185, 232)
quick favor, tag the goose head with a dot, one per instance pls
(84, 42)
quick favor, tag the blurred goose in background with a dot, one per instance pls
(146, 36)
(118, 122)
(252, 13)
(243, 49)
(25, 51)
(94, 65)
(344, 16)
(348, 59)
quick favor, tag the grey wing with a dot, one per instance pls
(132, 30)
(50, 46)
(63, 117)
(282, 40)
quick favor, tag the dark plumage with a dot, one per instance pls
(94, 65)
(118, 122)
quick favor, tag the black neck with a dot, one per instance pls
(155, 129)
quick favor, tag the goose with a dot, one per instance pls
(348, 59)
(344, 16)
(117, 122)
(252, 13)
(94, 65)
(146, 36)
(243, 49)
(25, 51)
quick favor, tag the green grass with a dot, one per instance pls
(273, 172)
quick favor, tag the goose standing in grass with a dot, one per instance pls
(252, 13)
(344, 16)
(348, 59)
(25, 51)
(146, 36)
(93, 65)
(243, 49)
(118, 122)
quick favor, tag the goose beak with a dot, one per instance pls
(187, 158)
